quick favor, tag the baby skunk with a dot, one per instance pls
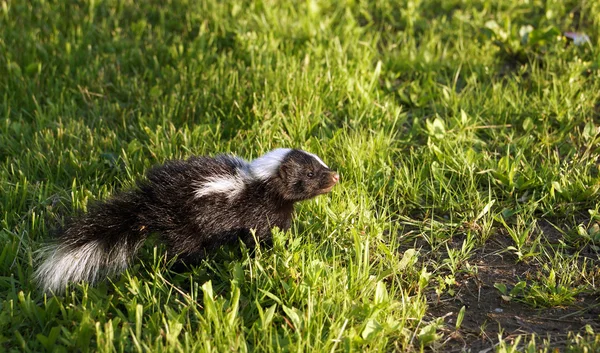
(194, 206)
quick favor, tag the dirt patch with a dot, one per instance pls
(487, 314)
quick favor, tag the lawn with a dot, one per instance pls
(466, 134)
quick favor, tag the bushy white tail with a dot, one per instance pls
(73, 264)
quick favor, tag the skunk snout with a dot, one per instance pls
(335, 177)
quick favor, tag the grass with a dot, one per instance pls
(465, 132)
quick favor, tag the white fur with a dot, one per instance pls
(85, 263)
(317, 158)
(261, 168)
(266, 166)
(222, 184)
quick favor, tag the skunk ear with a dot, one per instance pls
(283, 171)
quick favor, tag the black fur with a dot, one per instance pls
(167, 203)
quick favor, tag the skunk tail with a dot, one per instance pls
(96, 244)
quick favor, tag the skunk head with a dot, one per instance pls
(297, 175)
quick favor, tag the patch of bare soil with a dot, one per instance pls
(488, 315)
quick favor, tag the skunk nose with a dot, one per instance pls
(335, 177)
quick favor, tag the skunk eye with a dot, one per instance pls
(310, 174)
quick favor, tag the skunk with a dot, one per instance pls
(193, 205)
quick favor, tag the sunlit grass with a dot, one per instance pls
(456, 126)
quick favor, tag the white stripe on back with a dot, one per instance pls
(222, 184)
(266, 166)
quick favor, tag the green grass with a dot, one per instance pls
(466, 134)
